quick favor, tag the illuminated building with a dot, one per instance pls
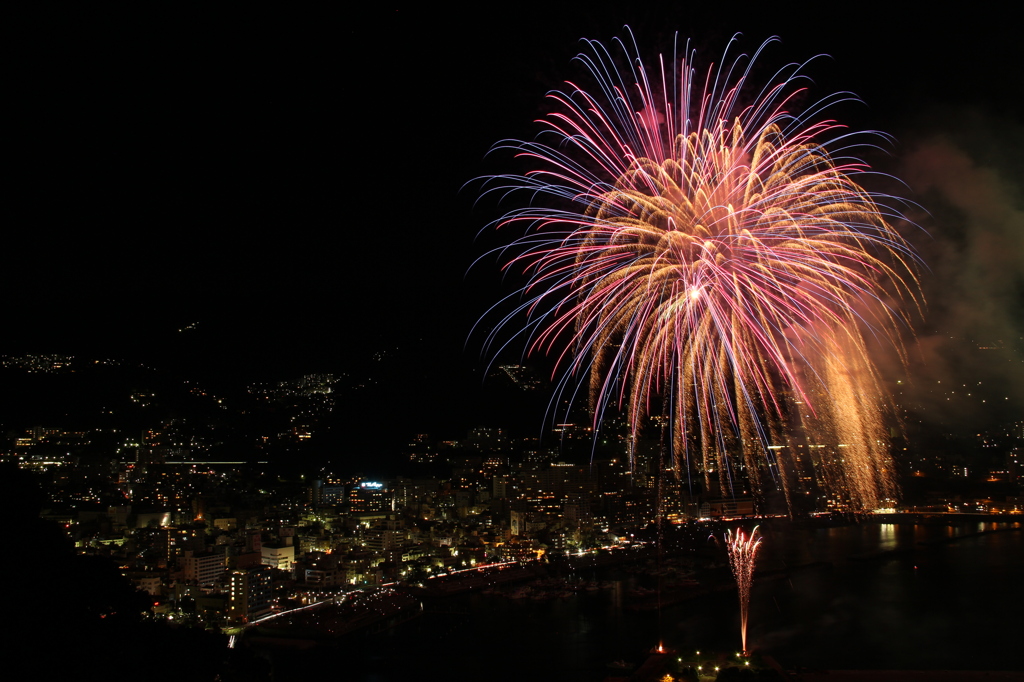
(249, 593)
(370, 496)
(203, 568)
(381, 540)
(280, 557)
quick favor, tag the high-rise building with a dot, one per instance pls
(249, 594)
(370, 496)
(203, 568)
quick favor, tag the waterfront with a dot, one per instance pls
(927, 606)
(946, 605)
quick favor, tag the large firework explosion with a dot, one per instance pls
(706, 254)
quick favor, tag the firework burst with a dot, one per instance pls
(742, 557)
(709, 256)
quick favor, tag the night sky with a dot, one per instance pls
(292, 183)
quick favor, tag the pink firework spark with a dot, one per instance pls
(742, 557)
(697, 249)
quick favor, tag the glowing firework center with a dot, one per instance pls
(719, 266)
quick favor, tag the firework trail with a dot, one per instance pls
(742, 556)
(700, 251)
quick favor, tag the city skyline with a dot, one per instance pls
(244, 258)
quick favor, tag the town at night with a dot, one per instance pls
(587, 343)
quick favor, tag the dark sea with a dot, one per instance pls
(855, 597)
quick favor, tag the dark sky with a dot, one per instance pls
(291, 181)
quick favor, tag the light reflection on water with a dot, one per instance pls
(944, 605)
(887, 536)
(928, 606)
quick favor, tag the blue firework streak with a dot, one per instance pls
(697, 248)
